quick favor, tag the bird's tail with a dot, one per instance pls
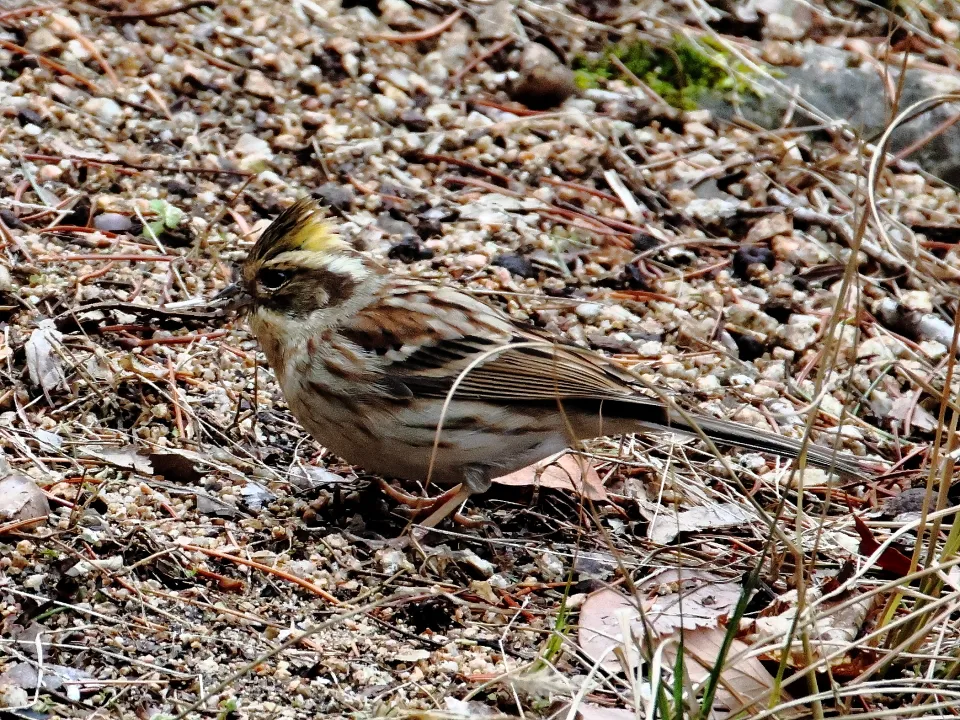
(654, 415)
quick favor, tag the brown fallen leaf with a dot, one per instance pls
(22, 504)
(891, 559)
(563, 473)
(678, 602)
(745, 684)
(834, 626)
(672, 599)
(668, 525)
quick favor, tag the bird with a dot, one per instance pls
(414, 380)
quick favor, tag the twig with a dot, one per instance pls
(920, 142)
(177, 412)
(23, 12)
(55, 66)
(581, 188)
(427, 157)
(15, 525)
(267, 569)
(96, 273)
(420, 34)
(98, 56)
(175, 340)
(78, 229)
(130, 258)
(122, 165)
(157, 14)
(518, 110)
(212, 59)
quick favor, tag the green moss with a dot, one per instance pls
(679, 73)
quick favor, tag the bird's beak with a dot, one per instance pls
(233, 297)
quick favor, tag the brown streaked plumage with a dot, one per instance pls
(367, 360)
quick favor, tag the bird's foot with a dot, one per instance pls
(435, 508)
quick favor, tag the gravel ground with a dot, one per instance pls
(143, 147)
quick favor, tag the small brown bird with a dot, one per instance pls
(413, 380)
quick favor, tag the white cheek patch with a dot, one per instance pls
(347, 265)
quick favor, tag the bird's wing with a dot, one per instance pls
(429, 341)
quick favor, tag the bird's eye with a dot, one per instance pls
(273, 279)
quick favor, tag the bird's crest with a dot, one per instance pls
(299, 228)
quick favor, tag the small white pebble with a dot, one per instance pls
(708, 383)
(588, 311)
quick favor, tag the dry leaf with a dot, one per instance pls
(836, 624)
(601, 627)
(21, 499)
(127, 458)
(43, 364)
(689, 599)
(668, 525)
(175, 466)
(565, 473)
(53, 677)
(744, 681)
(685, 601)
(673, 599)
(891, 559)
(586, 711)
(178, 460)
(911, 414)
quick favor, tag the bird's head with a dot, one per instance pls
(299, 270)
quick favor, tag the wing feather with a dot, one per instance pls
(427, 342)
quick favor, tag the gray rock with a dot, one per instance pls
(836, 83)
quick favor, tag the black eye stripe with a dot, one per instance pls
(304, 291)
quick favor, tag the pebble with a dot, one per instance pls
(517, 265)
(708, 384)
(946, 29)
(618, 316)
(43, 41)
(699, 130)
(800, 332)
(48, 173)
(254, 152)
(64, 25)
(917, 300)
(811, 477)
(256, 83)
(932, 349)
(588, 311)
(78, 50)
(768, 226)
(783, 27)
(386, 106)
(475, 261)
(882, 347)
(105, 109)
